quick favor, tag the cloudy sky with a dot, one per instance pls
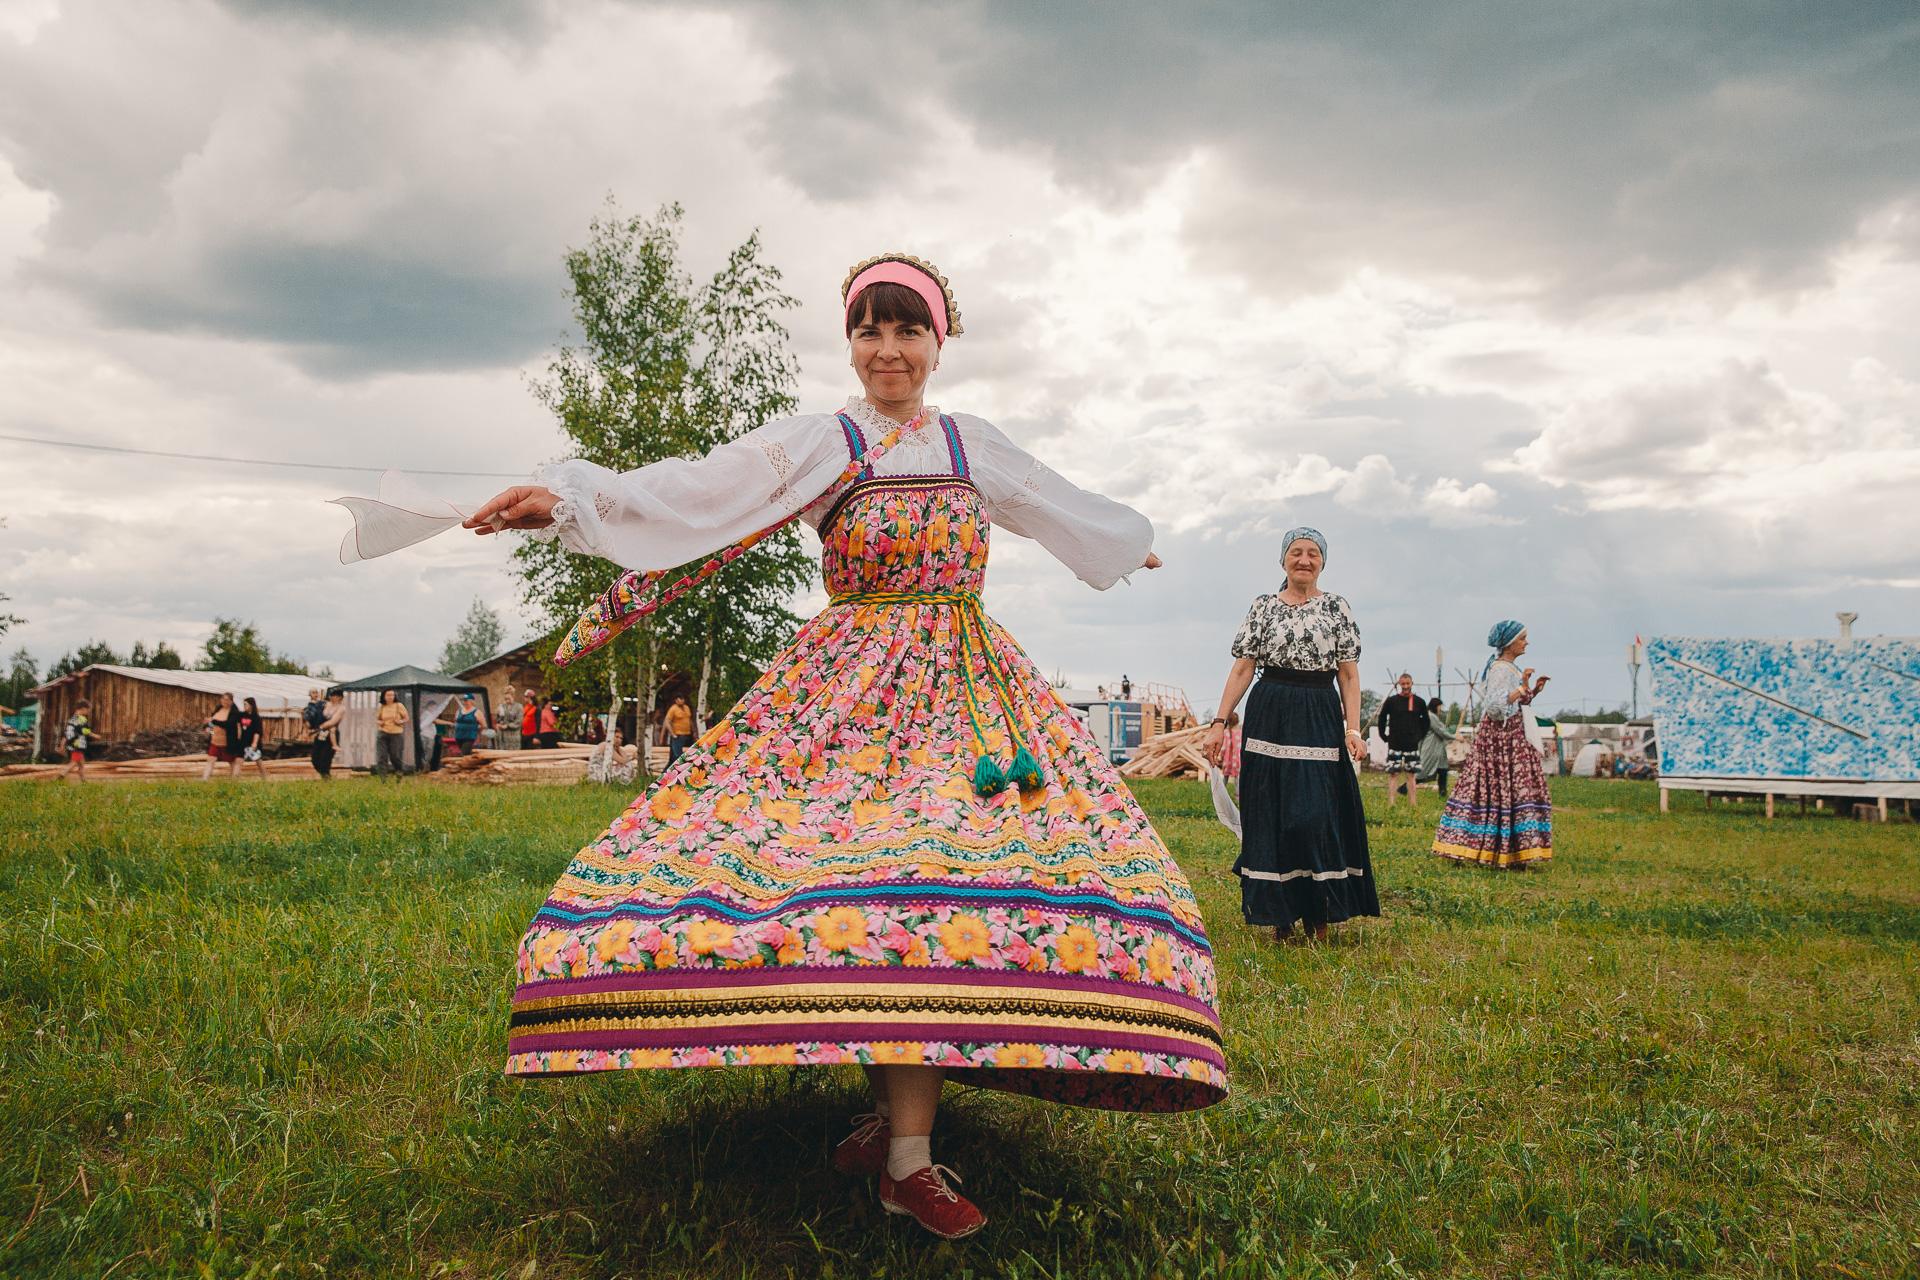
(1599, 315)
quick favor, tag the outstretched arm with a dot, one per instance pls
(678, 509)
(525, 506)
(1099, 539)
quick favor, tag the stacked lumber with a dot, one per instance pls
(157, 768)
(564, 763)
(1180, 754)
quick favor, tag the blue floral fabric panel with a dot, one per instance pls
(1808, 709)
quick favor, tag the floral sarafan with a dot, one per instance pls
(817, 881)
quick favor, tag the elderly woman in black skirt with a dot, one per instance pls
(1303, 844)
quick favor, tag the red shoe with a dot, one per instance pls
(864, 1151)
(927, 1199)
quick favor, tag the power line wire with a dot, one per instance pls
(256, 462)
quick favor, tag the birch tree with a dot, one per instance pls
(666, 368)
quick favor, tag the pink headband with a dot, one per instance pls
(891, 272)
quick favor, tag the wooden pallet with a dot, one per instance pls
(1180, 754)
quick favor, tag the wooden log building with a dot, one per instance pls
(132, 700)
(505, 676)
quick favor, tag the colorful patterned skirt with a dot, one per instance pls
(1500, 813)
(1303, 841)
(819, 880)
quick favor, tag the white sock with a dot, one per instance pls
(908, 1156)
(883, 1108)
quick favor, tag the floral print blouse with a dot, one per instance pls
(1316, 636)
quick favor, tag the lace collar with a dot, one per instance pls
(876, 424)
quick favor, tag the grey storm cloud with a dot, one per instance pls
(1607, 145)
(414, 17)
(1568, 154)
(1584, 150)
(347, 310)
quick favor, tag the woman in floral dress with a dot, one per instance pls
(1500, 813)
(900, 849)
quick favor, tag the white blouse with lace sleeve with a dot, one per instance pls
(1099, 539)
(674, 511)
(1497, 690)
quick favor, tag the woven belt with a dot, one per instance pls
(989, 778)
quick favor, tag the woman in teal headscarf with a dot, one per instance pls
(1500, 814)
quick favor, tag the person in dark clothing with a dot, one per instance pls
(326, 738)
(1403, 721)
(1303, 826)
(315, 713)
(249, 734)
(466, 725)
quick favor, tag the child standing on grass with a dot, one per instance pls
(79, 740)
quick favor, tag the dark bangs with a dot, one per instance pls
(885, 302)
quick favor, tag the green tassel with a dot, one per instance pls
(1025, 770)
(987, 778)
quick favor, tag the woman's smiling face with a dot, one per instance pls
(1303, 563)
(893, 358)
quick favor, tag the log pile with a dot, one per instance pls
(566, 762)
(155, 744)
(186, 767)
(1181, 754)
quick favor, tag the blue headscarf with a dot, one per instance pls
(1503, 634)
(1314, 536)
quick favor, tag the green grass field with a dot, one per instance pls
(258, 1030)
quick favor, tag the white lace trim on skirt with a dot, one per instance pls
(1281, 752)
(1303, 873)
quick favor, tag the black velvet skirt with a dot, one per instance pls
(1303, 843)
